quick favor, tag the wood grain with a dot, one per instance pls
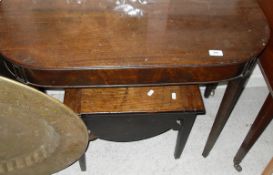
(265, 114)
(63, 43)
(72, 99)
(137, 100)
(266, 59)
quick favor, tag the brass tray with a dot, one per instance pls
(38, 134)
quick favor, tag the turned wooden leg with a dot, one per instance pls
(82, 162)
(261, 122)
(183, 134)
(210, 88)
(232, 94)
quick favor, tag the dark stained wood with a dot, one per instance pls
(183, 134)
(266, 59)
(235, 88)
(127, 127)
(130, 114)
(135, 99)
(3, 69)
(261, 122)
(210, 88)
(265, 115)
(82, 162)
(132, 76)
(266, 65)
(231, 96)
(63, 43)
(72, 99)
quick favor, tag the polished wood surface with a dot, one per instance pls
(89, 43)
(231, 96)
(235, 87)
(135, 99)
(262, 120)
(266, 65)
(265, 114)
(266, 59)
(136, 113)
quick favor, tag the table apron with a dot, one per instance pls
(130, 76)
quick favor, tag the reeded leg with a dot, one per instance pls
(232, 94)
(261, 122)
(82, 162)
(210, 88)
(183, 134)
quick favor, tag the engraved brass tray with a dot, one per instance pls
(38, 134)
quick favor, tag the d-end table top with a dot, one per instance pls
(78, 34)
(105, 42)
(266, 59)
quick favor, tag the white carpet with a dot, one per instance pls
(155, 155)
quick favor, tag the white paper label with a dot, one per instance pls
(150, 93)
(174, 96)
(216, 53)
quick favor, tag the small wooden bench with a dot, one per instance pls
(135, 113)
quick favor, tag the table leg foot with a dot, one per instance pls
(238, 167)
(262, 120)
(205, 154)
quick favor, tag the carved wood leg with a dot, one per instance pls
(261, 122)
(82, 162)
(183, 134)
(210, 88)
(232, 94)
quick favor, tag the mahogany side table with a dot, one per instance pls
(75, 44)
(129, 114)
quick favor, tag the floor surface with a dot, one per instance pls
(155, 156)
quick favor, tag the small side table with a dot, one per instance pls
(136, 113)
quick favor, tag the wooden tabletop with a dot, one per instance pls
(266, 59)
(119, 42)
